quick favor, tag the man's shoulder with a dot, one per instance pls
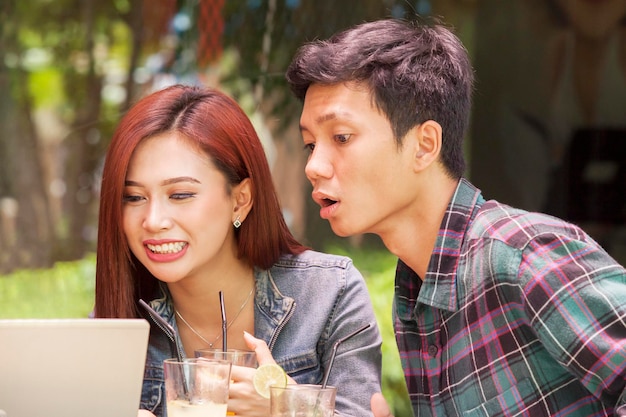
(516, 227)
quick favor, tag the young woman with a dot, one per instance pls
(188, 210)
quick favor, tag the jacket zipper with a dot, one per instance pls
(281, 325)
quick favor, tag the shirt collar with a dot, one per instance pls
(439, 287)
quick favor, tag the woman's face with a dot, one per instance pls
(178, 213)
(594, 19)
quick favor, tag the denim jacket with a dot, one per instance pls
(303, 305)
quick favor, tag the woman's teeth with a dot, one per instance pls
(172, 247)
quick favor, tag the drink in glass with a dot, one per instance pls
(302, 400)
(182, 408)
(196, 387)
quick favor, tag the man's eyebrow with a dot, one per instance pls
(169, 181)
(327, 117)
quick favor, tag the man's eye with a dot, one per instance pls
(343, 138)
(309, 147)
(182, 196)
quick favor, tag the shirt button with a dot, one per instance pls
(432, 351)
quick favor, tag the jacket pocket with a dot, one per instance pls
(304, 368)
(153, 389)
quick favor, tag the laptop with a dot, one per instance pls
(72, 367)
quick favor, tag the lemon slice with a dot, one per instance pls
(266, 376)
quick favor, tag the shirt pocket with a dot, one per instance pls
(511, 402)
(304, 368)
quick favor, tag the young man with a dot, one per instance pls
(497, 311)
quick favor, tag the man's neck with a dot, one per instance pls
(413, 238)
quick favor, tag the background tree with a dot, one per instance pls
(61, 107)
(72, 67)
(25, 223)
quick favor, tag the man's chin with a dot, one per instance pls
(340, 231)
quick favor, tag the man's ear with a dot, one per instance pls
(425, 140)
(242, 199)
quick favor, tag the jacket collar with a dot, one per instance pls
(273, 309)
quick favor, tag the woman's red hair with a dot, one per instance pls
(219, 127)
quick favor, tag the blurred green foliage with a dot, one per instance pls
(67, 291)
(64, 291)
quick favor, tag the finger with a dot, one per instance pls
(379, 405)
(241, 373)
(263, 354)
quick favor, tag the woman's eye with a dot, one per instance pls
(182, 196)
(343, 138)
(128, 198)
(309, 147)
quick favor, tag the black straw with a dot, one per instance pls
(224, 323)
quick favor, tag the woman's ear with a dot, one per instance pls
(242, 199)
(425, 139)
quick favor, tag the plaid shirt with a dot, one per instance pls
(520, 314)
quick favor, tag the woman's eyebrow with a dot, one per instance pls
(169, 181)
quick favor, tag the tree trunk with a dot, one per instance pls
(82, 146)
(25, 225)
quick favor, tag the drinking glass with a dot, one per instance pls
(238, 357)
(196, 387)
(302, 400)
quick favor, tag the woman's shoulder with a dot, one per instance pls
(313, 259)
(312, 268)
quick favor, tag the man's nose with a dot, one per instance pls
(319, 164)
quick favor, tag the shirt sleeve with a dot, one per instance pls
(575, 296)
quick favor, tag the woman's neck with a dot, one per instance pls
(198, 310)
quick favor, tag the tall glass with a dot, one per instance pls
(302, 400)
(238, 357)
(196, 387)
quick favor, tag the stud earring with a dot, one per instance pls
(237, 223)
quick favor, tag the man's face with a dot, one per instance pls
(361, 178)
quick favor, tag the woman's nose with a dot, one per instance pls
(157, 217)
